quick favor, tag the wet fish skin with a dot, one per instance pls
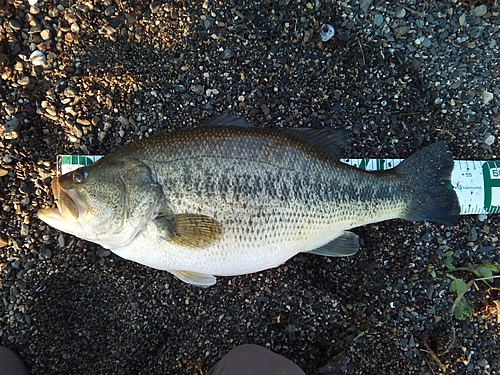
(230, 200)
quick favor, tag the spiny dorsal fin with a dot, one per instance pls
(190, 230)
(228, 119)
(333, 141)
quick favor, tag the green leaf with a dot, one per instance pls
(459, 286)
(448, 260)
(361, 334)
(492, 267)
(431, 271)
(463, 309)
(486, 272)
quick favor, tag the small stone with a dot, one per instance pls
(51, 110)
(34, 10)
(490, 139)
(18, 66)
(426, 42)
(461, 20)
(486, 97)
(400, 12)
(75, 28)
(3, 172)
(416, 64)
(46, 253)
(70, 92)
(69, 37)
(227, 54)
(83, 122)
(291, 328)
(96, 120)
(24, 80)
(198, 89)
(10, 110)
(327, 32)
(123, 120)
(7, 159)
(155, 7)
(480, 10)
(265, 109)
(38, 58)
(45, 34)
(12, 128)
(378, 19)
(71, 17)
(14, 25)
(109, 11)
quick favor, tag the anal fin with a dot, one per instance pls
(346, 244)
(194, 278)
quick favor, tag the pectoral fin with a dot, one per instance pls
(198, 279)
(190, 230)
(345, 245)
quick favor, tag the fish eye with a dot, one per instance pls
(80, 175)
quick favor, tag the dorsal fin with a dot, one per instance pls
(333, 141)
(228, 119)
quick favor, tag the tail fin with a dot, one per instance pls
(427, 176)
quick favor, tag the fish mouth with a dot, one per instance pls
(67, 214)
(65, 202)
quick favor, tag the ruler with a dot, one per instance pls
(477, 182)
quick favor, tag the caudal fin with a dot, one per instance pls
(427, 175)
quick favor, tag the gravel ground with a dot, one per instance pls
(396, 76)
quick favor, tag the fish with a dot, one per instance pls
(228, 199)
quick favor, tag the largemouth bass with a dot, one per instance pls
(230, 200)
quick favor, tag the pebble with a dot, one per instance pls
(227, 54)
(486, 97)
(70, 92)
(378, 19)
(14, 25)
(45, 34)
(7, 159)
(109, 11)
(400, 12)
(75, 28)
(12, 128)
(123, 120)
(461, 20)
(327, 32)
(24, 80)
(490, 139)
(426, 42)
(38, 58)
(34, 10)
(480, 10)
(71, 17)
(155, 7)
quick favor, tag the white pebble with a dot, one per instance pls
(38, 58)
(489, 140)
(327, 32)
(487, 97)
